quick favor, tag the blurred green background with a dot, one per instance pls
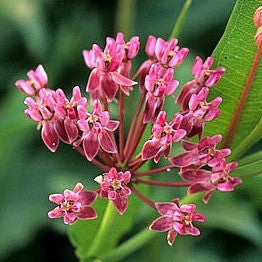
(54, 33)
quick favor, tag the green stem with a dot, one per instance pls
(124, 16)
(103, 233)
(249, 141)
(180, 20)
(129, 246)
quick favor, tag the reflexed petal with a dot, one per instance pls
(71, 130)
(185, 159)
(55, 213)
(56, 198)
(49, 136)
(189, 208)
(87, 197)
(162, 224)
(112, 125)
(150, 149)
(93, 81)
(91, 145)
(198, 217)
(87, 212)
(108, 86)
(191, 230)
(121, 80)
(121, 203)
(106, 142)
(195, 188)
(60, 129)
(166, 208)
(171, 237)
(150, 45)
(78, 187)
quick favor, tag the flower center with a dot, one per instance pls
(107, 58)
(66, 205)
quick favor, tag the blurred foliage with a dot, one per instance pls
(54, 33)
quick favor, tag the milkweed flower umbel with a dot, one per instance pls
(203, 167)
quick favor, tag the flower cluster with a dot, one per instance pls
(203, 165)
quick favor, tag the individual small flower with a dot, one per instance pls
(158, 87)
(164, 135)
(176, 219)
(105, 79)
(199, 112)
(67, 115)
(203, 77)
(166, 54)
(209, 181)
(131, 50)
(42, 110)
(113, 185)
(96, 128)
(73, 205)
(202, 153)
(37, 80)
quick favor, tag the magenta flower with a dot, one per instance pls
(131, 50)
(113, 185)
(37, 80)
(203, 77)
(199, 112)
(96, 128)
(176, 219)
(164, 134)
(67, 115)
(209, 181)
(73, 205)
(158, 87)
(202, 153)
(42, 110)
(166, 54)
(105, 79)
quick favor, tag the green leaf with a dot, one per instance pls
(236, 52)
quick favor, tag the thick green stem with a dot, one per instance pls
(180, 20)
(129, 246)
(103, 233)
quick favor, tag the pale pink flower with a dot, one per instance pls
(73, 205)
(67, 115)
(105, 79)
(164, 135)
(113, 185)
(42, 110)
(37, 80)
(96, 128)
(203, 77)
(200, 111)
(176, 219)
(157, 88)
(202, 153)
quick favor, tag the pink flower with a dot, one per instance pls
(131, 50)
(164, 134)
(67, 115)
(158, 87)
(37, 80)
(176, 219)
(199, 112)
(113, 186)
(166, 54)
(73, 205)
(42, 110)
(209, 181)
(96, 128)
(202, 153)
(105, 79)
(203, 77)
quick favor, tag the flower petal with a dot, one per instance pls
(86, 212)
(55, 213)
(87, 197)
(162, 224)
(49, 136)
(106, 142)
(122, 80)
(166, 208)
(91, 145)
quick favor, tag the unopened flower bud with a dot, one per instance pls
(258, 17)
